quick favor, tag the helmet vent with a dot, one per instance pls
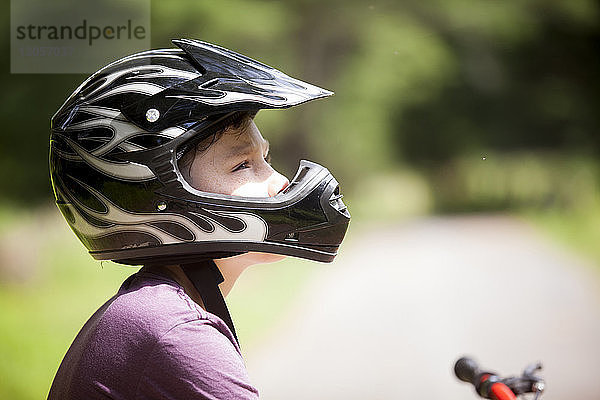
(208, 84)
(301, 174)
(336, 201)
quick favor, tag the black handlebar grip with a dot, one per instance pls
(466, 370)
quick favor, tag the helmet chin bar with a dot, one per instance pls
(307, 220)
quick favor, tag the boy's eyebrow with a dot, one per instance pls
(244, 148)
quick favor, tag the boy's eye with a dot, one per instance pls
(241, 166)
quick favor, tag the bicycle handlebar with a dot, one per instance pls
(487, 384)
(490, 386)
(466, 369)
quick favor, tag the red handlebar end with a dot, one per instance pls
(499, 391)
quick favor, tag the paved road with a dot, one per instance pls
(390, 316)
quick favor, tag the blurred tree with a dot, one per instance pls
(417, 83)
(27, 103)
(529, 82)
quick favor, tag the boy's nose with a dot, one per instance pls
(277, 183)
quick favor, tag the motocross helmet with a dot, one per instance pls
(114, 149)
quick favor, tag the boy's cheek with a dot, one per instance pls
(211, 182)
(252, 189)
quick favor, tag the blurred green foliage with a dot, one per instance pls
(440, 106)
(420, 85)
(523, 180)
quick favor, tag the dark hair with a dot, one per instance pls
(188, 152)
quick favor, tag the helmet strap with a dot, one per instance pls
(206, 277)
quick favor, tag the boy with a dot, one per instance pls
(156, 160)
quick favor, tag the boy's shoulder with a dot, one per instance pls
(144, 309)
(146, 295)
(151, 305)
(145, 338)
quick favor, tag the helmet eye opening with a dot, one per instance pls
(203, 139)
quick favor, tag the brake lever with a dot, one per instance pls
(528, 382)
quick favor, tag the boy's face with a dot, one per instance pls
(237, 165)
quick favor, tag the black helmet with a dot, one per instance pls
(113, 160)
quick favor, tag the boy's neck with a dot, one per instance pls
(231, 268)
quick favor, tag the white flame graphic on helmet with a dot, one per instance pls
(119, 221)
(122, 131)
(112, 119)
(147, 88)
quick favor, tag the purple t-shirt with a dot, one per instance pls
(151, 341)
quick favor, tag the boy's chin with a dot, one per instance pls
(265, 258)
(262, 258)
